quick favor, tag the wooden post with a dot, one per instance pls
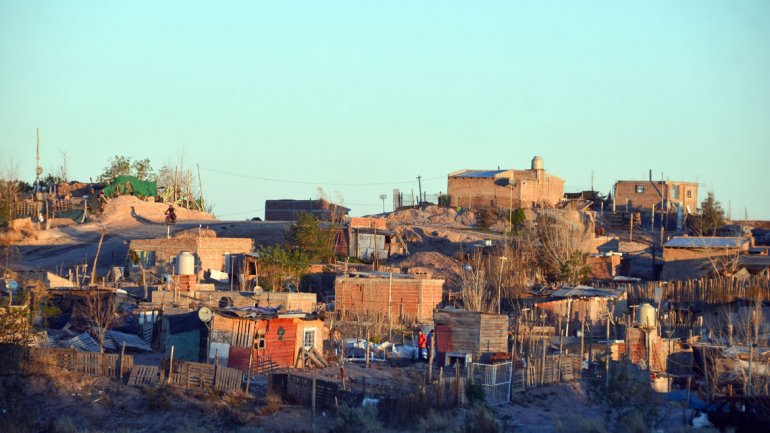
(216, 365)
(96, 257)
(430, 357)
(607, 355)
(248, 372)
(171, 365)
(122, 357)
(457, 384)
(390, 305)
(440, 393)
(631, 228)
(542, 369)
(312, 400)
(582, 339)
(366, 347)
(558, 364)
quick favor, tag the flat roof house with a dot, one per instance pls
(504, 189)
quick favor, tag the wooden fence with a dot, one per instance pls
(552, 369)
(206, 376)
(702, 291)
(14, 358)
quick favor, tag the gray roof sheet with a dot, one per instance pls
(705, 242)
(479, 173)
(587, 292)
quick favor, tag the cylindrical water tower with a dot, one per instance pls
(185, 263)
(646, 316)
(537, 163)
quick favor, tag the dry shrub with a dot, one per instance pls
(579, 424)
(158, 398)
(272, 405)
(435, 421)
(16, 423)
(63, 425)
(358, 420)
(479, 419)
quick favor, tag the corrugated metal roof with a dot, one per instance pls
(705, 242)
(83, 342)
(132, 341)
(478, 173)
(586, 292)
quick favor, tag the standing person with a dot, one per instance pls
(430, 342)
(422, 343)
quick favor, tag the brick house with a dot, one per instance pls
(695, 256)
(405, 298)
(210, 251)
(287, 210)
(504, 189)
(644, 194)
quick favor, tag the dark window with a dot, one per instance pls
(689, 193)
(639, 189)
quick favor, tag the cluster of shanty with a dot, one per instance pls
(441, 291)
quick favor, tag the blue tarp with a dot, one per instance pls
(681, 395)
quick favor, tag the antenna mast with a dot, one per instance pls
(38, 168)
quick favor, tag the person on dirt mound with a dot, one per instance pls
(170, 215)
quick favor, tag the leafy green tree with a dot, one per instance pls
(315, 241)
(120, 165)
(142, 169)
(281, 264)
(712, 216)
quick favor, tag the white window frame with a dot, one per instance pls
(309, 331)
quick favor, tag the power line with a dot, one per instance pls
(300, 182)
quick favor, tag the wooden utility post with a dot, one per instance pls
(390, 307)
(582, 339)
(607, 353)
(200, 186)
(96, 257)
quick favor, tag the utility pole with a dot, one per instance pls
(419, 186)
(510, 205)
(200, 186)
(500, 283)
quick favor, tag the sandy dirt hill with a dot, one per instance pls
(126, 218)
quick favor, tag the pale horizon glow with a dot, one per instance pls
(359, 98)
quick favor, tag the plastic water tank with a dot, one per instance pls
(537, 163)
(646, 316)
(185, 264)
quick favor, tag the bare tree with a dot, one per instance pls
(474, 284)
(100, 312)
(563, 246)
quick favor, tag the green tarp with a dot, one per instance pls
(130, 185)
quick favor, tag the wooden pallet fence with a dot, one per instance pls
(206, 376)
(144, 375)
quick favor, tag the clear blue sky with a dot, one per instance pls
(346, 94)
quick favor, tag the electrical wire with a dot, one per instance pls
(301, 182)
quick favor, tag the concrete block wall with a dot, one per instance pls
(412, 299)
(625, 192)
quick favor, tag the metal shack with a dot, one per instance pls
(468, 335)
(263, 337)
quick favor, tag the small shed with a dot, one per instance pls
(269, 339)
(463, 333)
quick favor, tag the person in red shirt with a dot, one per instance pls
(422, 345)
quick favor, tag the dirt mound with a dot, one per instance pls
(433, 215)
(196, 233)
(441, 265)
(128, 210)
